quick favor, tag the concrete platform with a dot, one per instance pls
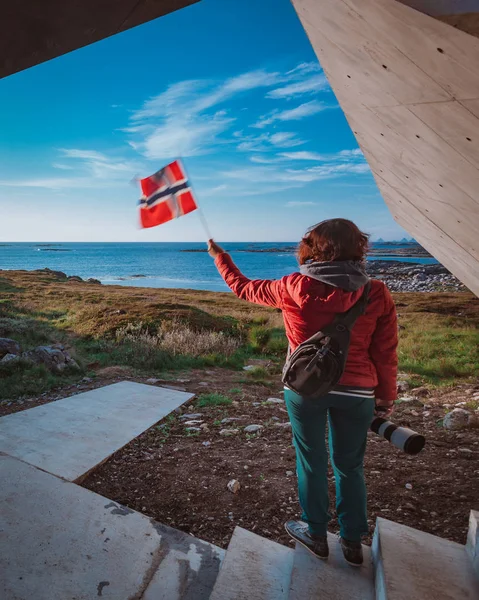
(254, 569)
(333, 579)
(472, 546)
(413, 564)
(70, 437)
(59, 541)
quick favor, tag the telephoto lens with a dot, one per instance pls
(403, 438)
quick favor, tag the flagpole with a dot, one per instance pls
(201, 214)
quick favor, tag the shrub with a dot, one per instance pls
(258, 373)
(259, 336)
(213, 399)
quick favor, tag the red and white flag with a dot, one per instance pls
(167, 195)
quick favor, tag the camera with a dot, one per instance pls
(403, 438)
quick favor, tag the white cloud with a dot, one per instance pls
(314, 84)
(304, 155)
(294, 114)
(51, 183)
(267, 142)
(62, 166)
(180, 121)
(93, 170)
(176, 122)
(356, 152)
(305, 67)
(85, 154)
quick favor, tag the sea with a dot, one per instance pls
(162, 265)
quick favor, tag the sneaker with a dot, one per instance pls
(317, 544)
(353, 552)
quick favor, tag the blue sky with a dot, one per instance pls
(231, 86)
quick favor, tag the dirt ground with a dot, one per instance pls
(180, 478)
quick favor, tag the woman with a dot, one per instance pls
(331, 279)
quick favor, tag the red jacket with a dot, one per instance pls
(308, 305)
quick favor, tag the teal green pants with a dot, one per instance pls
(349, 421)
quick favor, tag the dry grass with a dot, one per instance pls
(178, 338)
(159, 330)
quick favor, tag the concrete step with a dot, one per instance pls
(413, 564)
(472, 545)
(254, 568)
(70, 437)
(59, 541)
(333, 579)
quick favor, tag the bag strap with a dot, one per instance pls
(350, 317)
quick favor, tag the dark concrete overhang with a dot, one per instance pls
(33, 31)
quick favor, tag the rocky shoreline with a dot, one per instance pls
(414, 277)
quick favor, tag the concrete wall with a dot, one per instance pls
(409, 86)
(443, 7)
(33, 31)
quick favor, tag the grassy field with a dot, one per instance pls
(159, 331)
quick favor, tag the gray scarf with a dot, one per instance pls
(345, 274)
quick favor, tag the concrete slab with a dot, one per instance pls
(254, 568)
(59, 541)
(70, 437)
(472, 545)
(333, 579)
(413, 564)
(188, 570)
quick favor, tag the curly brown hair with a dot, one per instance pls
(334, 239)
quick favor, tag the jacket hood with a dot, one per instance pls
(345, 280)
(347, 275)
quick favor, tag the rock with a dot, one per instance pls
(274, 401)
(55, 358)
(203, 383)
(190, 416)
(183, 380)
(408, 486)
(421, 392)
(289, 473)
(465, 451)
(75, 278)
(458, 419)
(248, 368)
(87, 380)
(253, 428)
(234, 486)
(227, 432)
(229, 420)
(178, 410)
(8, 358)
(283, 425)
(8, 346)
(58, 274)
(411, 400)
(206, 444)
(193, 429)
(176, 388)
(459, 404)
(93, 280)
(403, 386)
(193, 422)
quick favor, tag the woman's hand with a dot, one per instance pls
(213, 249)
(383, 410)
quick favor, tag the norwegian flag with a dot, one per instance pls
(167, 195)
